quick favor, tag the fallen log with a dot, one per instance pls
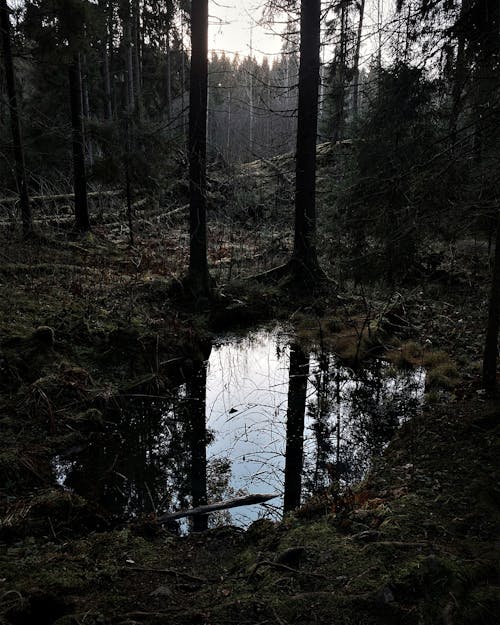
(237, 502)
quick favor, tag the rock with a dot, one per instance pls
(384, 595)
(44, 335)
(291, 557)
(162, 592)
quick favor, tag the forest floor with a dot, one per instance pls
(84, 320)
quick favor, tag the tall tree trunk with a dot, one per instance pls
(136, 55)
(108, 99)
(304, 251)
(355, 93)
(106, 51)
(490, 358)
(199, 279)
(128, 57)
(486, 139)
(297, 395)
(86, 115)
(14, 120)
(460, 77)
(168, 75)
(82, 223)
(183, 82)
(339, 117)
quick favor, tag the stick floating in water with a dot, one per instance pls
(247, 500)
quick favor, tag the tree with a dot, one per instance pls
(490, 357)
(14, 120)
(82, 222)
(62, 29)
(199, 277)
(487, 19)
(303, 267)
(304, 258)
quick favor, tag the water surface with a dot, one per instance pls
(259, 416)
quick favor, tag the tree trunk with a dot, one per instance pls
(338, 130)
(82, 223)
(199, 279)
(297, 395)
(105, 56)
(128, 57)
(168, 76)
(108, 106)
(491, 344)
(307, 126)
(14, 120)
(86, 115)
(136, 54)
(486, 78)
(355, 94)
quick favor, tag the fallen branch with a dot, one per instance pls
(398, 544)
(175, 572)
(213, 507)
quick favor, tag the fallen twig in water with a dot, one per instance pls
(213, 507)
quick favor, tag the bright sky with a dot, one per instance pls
(233, 23)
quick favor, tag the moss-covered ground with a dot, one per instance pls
(416, 543)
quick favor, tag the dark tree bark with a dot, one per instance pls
(199, 279)
(355, 94)
(486, 144)
(303, 269)
(136, 37)
(128, 57)
(304, 253)
(297, 394)
(486, 75)
(106, 52)
(490, 358)
(82, 223)
(338, 129)
(168, 76)
(14, 120)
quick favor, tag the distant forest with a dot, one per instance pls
(429, 65)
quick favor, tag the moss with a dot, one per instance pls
(423, 575)
(408, 355)
(434, 358)
(481, 607)
(443, 375)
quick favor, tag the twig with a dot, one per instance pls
(175, 572)
(283, 567)
(397, 543)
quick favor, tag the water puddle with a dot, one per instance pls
(260, 416)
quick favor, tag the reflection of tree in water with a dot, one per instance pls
(151, 455)
(352, 416)
(138, 462)
(297, 395)
(319, 411)
(376, 406)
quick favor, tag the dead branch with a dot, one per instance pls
(213, 507)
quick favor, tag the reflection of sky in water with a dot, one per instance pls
(247, 387)
(143, 457)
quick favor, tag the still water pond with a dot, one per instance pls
(259, 416)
